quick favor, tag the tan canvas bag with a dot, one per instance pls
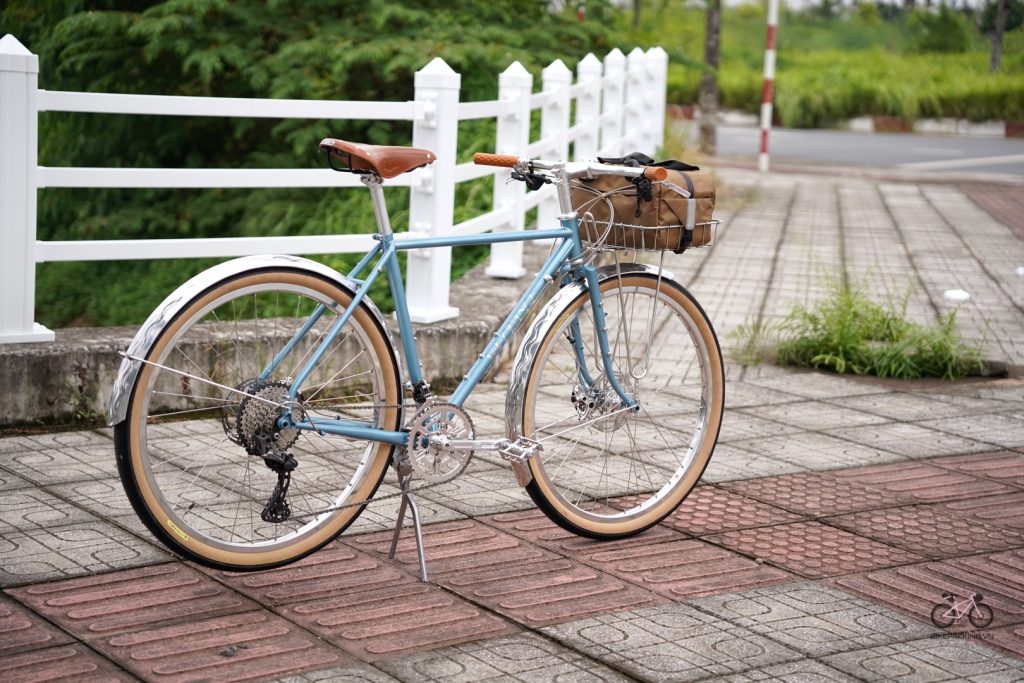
(678, 216)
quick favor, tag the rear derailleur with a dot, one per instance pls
(282, 463)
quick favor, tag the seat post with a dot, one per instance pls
(380, 207)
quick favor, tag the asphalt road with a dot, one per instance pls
(893, 150)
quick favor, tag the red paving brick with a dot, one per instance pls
(365, 605)
(99, 606)
(814, 550)
(334, 570)
(916, 589)
(1005, 207)
(928, 531)
(813, 494)
(528, 584)
(659, 559)
(1005, 511)
(921, 483)
(1009, 638)
(252, 645)
(396, 620)
(712, 510)
(21, 631)
(1006, 467)
(73, 663)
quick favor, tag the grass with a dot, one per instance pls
(829, 70)
(847, 332)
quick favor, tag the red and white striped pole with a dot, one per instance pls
(769, 81)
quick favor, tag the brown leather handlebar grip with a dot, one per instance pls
(655, 173)
(483, 159)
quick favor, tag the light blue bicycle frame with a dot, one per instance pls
(564, 262)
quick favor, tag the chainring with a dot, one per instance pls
(434, 426)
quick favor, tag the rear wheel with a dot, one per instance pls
(192, 452)
(607, 470)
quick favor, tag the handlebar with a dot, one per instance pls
(572, 169)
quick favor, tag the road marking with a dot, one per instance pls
(938, 150)
(963, 163)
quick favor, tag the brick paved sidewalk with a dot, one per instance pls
(813, 551)
(832, 518)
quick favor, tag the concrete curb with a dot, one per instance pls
(867, 172)
(871, 124)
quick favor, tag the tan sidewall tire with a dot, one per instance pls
(323, 534)
(570, 516)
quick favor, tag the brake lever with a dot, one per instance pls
(534, 181)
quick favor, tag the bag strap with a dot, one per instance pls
(641, 159)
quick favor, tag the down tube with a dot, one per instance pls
(486, 359)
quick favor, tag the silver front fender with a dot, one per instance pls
(165, 312)
(539, 328)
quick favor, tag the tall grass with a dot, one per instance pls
(847, 332)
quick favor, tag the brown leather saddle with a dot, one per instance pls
(385, 161)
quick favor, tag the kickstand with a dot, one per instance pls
(404, 480)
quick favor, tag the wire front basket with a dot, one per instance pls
(602, 229)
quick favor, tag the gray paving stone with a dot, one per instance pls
(729, 463)
(10, 481)
(525, 657)
(381, 515)
(926, 661)
(817, 385)
(1001, 429)
(739, 425)
(814, 451)
(104, 498)
(814, 619)
(25, 509)
(57, 458)
(484, 493)
(740, 394)
(39, 555)
(671, 643)
(910, 440)
(814, 415)
(804, 671)
(901, 406)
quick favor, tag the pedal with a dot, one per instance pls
(520, 450)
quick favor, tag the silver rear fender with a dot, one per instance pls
(177, 300)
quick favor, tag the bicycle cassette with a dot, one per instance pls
(438, 439)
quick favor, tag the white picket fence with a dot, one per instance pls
(619, 107)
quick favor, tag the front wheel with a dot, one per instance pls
(202, 419)
(609, 470)
(980, 615)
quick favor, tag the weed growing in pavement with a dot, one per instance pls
(847, 332)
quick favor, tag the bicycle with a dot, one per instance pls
(945, 615)
(295, 390)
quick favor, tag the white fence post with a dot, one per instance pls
(588, 107)
(633, 133)
(554, 123)
(612, 107)
(432, 200)
(515, 85)
(19, 76)
(657, 60)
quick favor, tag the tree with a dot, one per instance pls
(1000, 24)
(709, 79)
(314, 49)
